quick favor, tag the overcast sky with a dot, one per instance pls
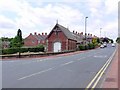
(40, 16)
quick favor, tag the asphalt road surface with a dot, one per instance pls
(73, 71)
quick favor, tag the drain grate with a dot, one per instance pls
(110, 79)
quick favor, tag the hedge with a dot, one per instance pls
(82, 47)
(91, 46)
(22, 50)
(86, 47)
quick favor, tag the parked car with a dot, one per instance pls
(113, 45)
(102, 46)
(105, 45)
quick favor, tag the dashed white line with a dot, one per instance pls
(35, 74)
(67, 63)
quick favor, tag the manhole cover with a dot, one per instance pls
(110, 80)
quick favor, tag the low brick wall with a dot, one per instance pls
(22, 55)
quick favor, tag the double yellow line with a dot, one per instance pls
(97, 77)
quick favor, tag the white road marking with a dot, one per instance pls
(35, 74)
(80, 58)
(100, 56)
(67, 63)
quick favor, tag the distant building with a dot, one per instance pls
(5, 44)
(35, 39)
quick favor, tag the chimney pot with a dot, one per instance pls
(30, 33)
(42, 33)
(45, 33)
(82, 33)
(73, 31)
(76, 32)
(38, 33)
(35, 33)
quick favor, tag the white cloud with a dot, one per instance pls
(6, 22)
(111, 6)
(42, 18)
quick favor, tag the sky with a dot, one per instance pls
(41, 16)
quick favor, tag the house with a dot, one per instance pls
(5, 44)
(79, 37)
(35, 40)
(60, 39)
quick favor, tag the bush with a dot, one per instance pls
(91, 46)
(82, 47)
(39, 48)
(22, 50)
(10, 51)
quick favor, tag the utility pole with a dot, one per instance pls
(85, 28)
(100, 32)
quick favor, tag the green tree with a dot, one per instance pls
(17, 42)
(98, 40)
(118, 40)
(112, 41)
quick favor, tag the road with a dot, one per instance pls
(72, 71)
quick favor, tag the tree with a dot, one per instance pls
(118, 40)
(111, 41)
(105, 40)
(17, 42)
(98, 40)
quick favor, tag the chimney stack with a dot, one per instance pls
(30, 33)
(35, 33)
(73, 31)
(82, 33)
(76, 32)
(45, 33)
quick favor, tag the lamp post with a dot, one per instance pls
(85, 28)
(100, 32)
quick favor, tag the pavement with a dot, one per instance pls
(111, 79)
(67, 71)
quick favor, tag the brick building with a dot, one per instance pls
(5, 44)
(60, 39)
(35, 39)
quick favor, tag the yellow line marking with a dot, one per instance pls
(110, 59)
(96, 76)
(100, 72)
(100, 76)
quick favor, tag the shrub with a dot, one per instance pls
(82, 47)
(91, 46)
(10, 51)
(22, 50)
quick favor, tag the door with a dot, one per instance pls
(57, 47)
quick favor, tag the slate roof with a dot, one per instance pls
(66, 31)
(68, 34)
(40, 37)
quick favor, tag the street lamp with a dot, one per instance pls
(85, 26)
(100, 32)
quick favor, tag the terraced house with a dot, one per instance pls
(59, 39)
(35, 39)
